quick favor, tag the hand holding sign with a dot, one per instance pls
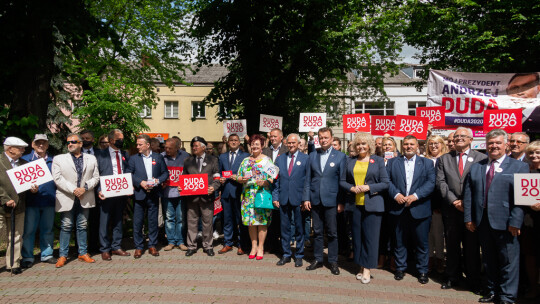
(116, 185)
(194, 184)
(33, 173)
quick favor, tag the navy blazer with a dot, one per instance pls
(501, 210)
(376, 178)
(231, 188)
(328, 180)
(289, 189)
(159, 171)
(423, 184)
(105, 164)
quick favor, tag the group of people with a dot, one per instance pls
(443, 205)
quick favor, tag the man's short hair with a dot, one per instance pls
(469, 131)
(74, 134)
(325, 129)
(337, 139)
(295, 135)
(528, 139)
(496, 133)
(145, 137)
(154, 140)
(174, 141)
(277, 129)
(233, 135)
(86, 131)
(410, 137)
(111, 134)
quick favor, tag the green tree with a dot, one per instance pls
(287, 57)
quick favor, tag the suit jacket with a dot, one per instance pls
(376, 178)
(289, 189)
(211, 168)
(449, 183)
(327, 180)
(268, 151)
(104, 161)
(138, 174)
(423, 184)
(231, 188)
(501, 210)
(7, 191)
(65, 177)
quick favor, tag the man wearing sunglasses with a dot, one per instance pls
(75, 175)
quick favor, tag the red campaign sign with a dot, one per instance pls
(193, 184)
(411, 125)
(174, 174)
(353, 123)
(381, 125)
(226, 174)
(509, 120)
(434, 114)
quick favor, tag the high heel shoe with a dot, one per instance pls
(258, 258)
(251, 256)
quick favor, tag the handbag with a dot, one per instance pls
(263, 200)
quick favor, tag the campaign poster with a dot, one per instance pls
(353, 123)
(174, 176)
(435, 115)
(116, 185)
(194, 184)
(238, 127)
(269, 122)
(381, 125)
(508, 120)
(32, 173)
(411, 125)
(526, 189)
(312, 122)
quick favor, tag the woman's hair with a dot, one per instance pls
(535, 145)
(388, 138)
(257, 137)
(364, 137)
(435, 138)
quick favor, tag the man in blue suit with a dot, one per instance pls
(321, 190)
(287, 196)
(234, 232)
(149, 173)
(412, 180)
(112, 161)
(489, 207)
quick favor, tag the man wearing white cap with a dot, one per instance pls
(11, 201)
(39, 213)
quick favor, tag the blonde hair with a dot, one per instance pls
(535, 145)
(388, 138)
(439, 139)
(364, 137)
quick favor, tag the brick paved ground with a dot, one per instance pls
(173, 277)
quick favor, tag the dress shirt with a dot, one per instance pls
(324, 157)
(409, 173)
(464, 157)
(289, 157)
(112, 152)
(201, 162)
(522, 158)
(88, 151)
(275, 152)
(231, 156)
(79, 166)
(498, 163)
(147, 160)
(14, 163)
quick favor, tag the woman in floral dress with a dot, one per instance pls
(255, 179)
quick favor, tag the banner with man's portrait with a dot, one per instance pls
(466, 96)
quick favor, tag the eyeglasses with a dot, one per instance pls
(73, 142)
(517, 142)
(461, 136)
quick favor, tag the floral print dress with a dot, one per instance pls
(252, 216)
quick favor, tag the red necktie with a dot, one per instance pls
(460, 163)
(291, 164)
(118, 163)
(489, 178)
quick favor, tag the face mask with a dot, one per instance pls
(87, 143)
(119, 143)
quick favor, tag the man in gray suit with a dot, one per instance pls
(452, 168)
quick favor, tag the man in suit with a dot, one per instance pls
(10, 201)
(93, 218)
(112, 161)
(518, 144)
(489, 207)
(201, 206)
(452, 169)
(320, 195)
(233, 230)
(149, 172)
(75, 175)
(287, 196)
(412, 181)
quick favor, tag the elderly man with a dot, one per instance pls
(201, 206)
(518, 143)
(75, 175)
(489, 208)
(39, 210)
(12, 204)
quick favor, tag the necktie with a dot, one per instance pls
(291, 164)
(199, 163)
(489, 178)
(231, 162)
(119, 168)
(460, 163)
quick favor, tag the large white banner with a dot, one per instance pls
(465, 96)
(32, 173)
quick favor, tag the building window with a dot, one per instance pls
(374, 108)
(415, 104)
(197, 110)
(171, 109)
(146, 112)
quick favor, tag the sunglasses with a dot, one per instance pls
(73, 142)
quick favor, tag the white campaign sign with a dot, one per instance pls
(316, 141)
(116, 185)
(235, 126)
(312, 122)
(32, 173)
(269, 122)
(526, 190)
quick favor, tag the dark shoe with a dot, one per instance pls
(398, 276)
(138, 253)
(16, 270)
(505, 302)
(27, 264)
(334, 269)
(225, 249)
(240, 251)
(50, 261)
(106, 256)
(120, 252)
(423, 278)
(153, 251)
(298, 263)
(209, 252)
(190, 252)
(314, 265)
(489, 298)
(449, 284)
(283, 261)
